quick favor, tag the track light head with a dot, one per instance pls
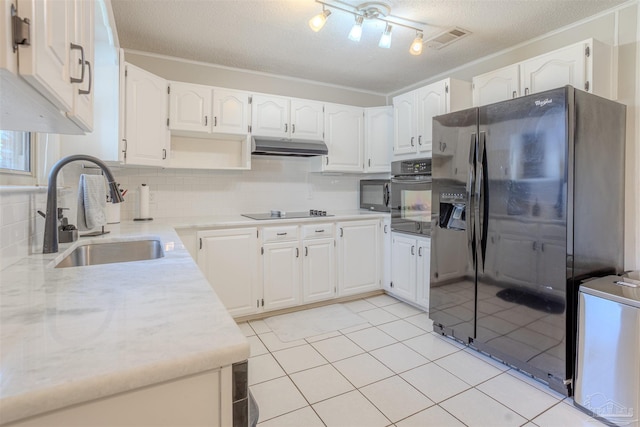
(356, 31)
(416, 45)
(385, 40)
(317, 22)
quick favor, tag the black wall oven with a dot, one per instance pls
(411, 196)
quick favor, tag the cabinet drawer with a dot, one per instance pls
(312, 231)
(280, 234)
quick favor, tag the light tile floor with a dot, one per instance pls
(392, 371)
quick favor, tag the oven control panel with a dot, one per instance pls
(411, 167)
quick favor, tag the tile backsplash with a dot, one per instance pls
(272, 183)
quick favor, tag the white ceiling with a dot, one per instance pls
(272, 36)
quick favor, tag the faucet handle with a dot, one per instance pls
(60, 213)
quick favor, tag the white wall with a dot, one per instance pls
(215, 75)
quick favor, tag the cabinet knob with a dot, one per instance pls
(413, 250)
(206, 120)
(419, 139)
(293, 128)
(286, 127)
(514, 94)
(412, 144)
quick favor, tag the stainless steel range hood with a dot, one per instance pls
(266, 146)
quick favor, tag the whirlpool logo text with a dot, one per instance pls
(543, 102)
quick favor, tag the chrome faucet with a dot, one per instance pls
(50, 244)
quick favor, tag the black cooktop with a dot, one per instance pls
(287, 215)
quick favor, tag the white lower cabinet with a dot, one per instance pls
(358, 257)
(256, 269)
(410, 267)
(229, 260)
(318, 263)
(386, 253)
(280, 267)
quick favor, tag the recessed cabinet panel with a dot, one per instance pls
(378, 137)
(190, 107)
(432, 101)
(230, 111)
(307, 120)
(270, 116)
(281, 275)
(496, 86)
(319, 279)
(404, 124)
(344, 136)
(82, 113)
(563, 67)
(403, 260)
(228, 259)
(423, 270)
(358, 255)
(145, 129)
(46, 62)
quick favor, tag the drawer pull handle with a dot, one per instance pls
(281, 234)
(319, 231)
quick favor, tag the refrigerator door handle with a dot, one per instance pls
(473, 150)
(483, 198)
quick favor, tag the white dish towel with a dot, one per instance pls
(92, 202)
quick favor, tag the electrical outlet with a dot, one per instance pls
(152, 196)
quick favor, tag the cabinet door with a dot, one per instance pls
(281, 275)
(378, 139)
(46, 62)
(307, 120)
(189, 107)
(403, 266)
(229, 260)
(404, 124)
(423, 273)
(358, 257)
(562, 67)
(318, 270)
(344, 136)
(270, 116)
(82, 112)
(230, 111)
(145, 128)
(432, 101)
(496, 86)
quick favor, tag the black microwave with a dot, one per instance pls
(374, 195)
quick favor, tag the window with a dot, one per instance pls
(15, 152)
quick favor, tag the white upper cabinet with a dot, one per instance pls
(344, 136)
(496, 86)
(270, 116)
(413, 113)
(230, 111)
(307, 119)
(404, 123)
(585, 65)
(190, 107)
(205, 109)
(566, 66)
(82, 111)
(378, 139)
(56, 64)
(281, 117)
(146, 135)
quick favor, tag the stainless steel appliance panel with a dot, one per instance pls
(411, 196)
(521, 237)
(375, 194)
(452, 294)
(542, 198)
(607, 368)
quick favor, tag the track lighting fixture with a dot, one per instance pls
(368, 11)
(317, 22)
(356, 30)
(416, 45)
(385, 39)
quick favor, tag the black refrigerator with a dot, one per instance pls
(528, 200)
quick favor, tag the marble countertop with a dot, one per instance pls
(72, 335)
